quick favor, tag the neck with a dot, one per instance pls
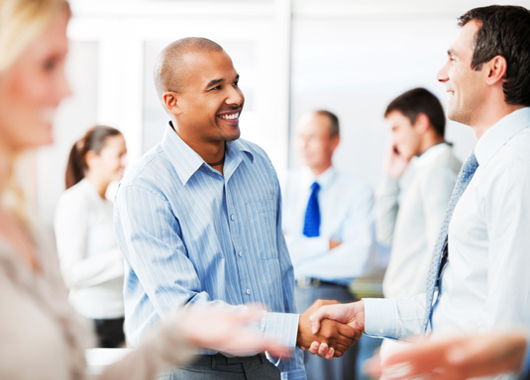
(318, 170)
(429, 141)
(489, 116)
(99, 184)
(210, 151)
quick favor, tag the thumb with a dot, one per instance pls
(315, 318)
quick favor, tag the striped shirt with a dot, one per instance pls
(190, 235)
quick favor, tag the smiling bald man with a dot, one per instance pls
(198, 219)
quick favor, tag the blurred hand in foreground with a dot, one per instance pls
(351, 314)
(335, 336)
(455, 358)
(229, 331)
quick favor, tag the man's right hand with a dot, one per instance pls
(335, 336)
(351, 314)
(395, 163)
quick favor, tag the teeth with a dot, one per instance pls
(450, 93)
(230, 117)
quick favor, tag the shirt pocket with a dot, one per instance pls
(263, 229)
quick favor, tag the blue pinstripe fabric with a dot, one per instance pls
(190, 235)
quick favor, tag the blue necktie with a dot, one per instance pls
(440, 251)
(312, 213)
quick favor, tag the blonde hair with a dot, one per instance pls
(21, 22)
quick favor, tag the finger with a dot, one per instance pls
(340, 347)
(330, 354)
(323, 350)
(314, 348)
(302, 348)
(347, 331)
(338, 354)
(316, 317)
(343, 340)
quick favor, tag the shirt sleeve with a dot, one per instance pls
(286, 325)
(347, 261)
(150, 238)
(394, 318)
(72, 223)
(386, 208)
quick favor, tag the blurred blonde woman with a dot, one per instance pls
(41, 336)
(91, 263)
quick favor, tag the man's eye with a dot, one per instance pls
(236, 83)
(216, 87)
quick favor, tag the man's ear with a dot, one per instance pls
(495, 70)
(422, 123)
(171, 102)
(335, 141)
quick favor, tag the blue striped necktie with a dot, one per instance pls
(312, 213)
(440, 250)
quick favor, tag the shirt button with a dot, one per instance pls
(232, 217)
(240, 254)
(248, 291)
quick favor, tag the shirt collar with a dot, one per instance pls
(500, 133)
(186, 161)
(324, 179)
(431, 154)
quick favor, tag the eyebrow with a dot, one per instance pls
(215, 82)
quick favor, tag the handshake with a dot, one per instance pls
(328, 328)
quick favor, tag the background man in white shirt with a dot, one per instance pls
(330, 249)
(417, 124)
(485, 281)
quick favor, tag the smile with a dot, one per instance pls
(232, 116)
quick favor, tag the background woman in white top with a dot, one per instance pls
(41, 336)
(91, 263)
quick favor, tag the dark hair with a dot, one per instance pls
(334, 129)
(504, 31)
(94, 139)
(416, 101)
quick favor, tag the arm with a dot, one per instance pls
(456, 358)
(71, 228)
(174, 342)
(348, 260)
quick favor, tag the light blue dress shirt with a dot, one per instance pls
(190, 235)
(485, 283)
(346, 208)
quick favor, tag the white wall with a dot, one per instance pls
(350, 56)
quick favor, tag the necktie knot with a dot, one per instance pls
(315, 187)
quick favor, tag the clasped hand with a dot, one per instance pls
(330, 336)
(324, 316)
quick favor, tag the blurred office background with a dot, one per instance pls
(349, 56)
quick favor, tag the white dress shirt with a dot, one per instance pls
(91, 263)
(413, 227)
(346, 211)
(486, 282)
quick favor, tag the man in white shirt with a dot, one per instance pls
(417, 125)
(485, 281)
(329, 229)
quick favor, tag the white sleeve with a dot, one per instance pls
(72, 222)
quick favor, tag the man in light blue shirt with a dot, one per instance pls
(337, 252)
(198, 219)
(484, 283)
